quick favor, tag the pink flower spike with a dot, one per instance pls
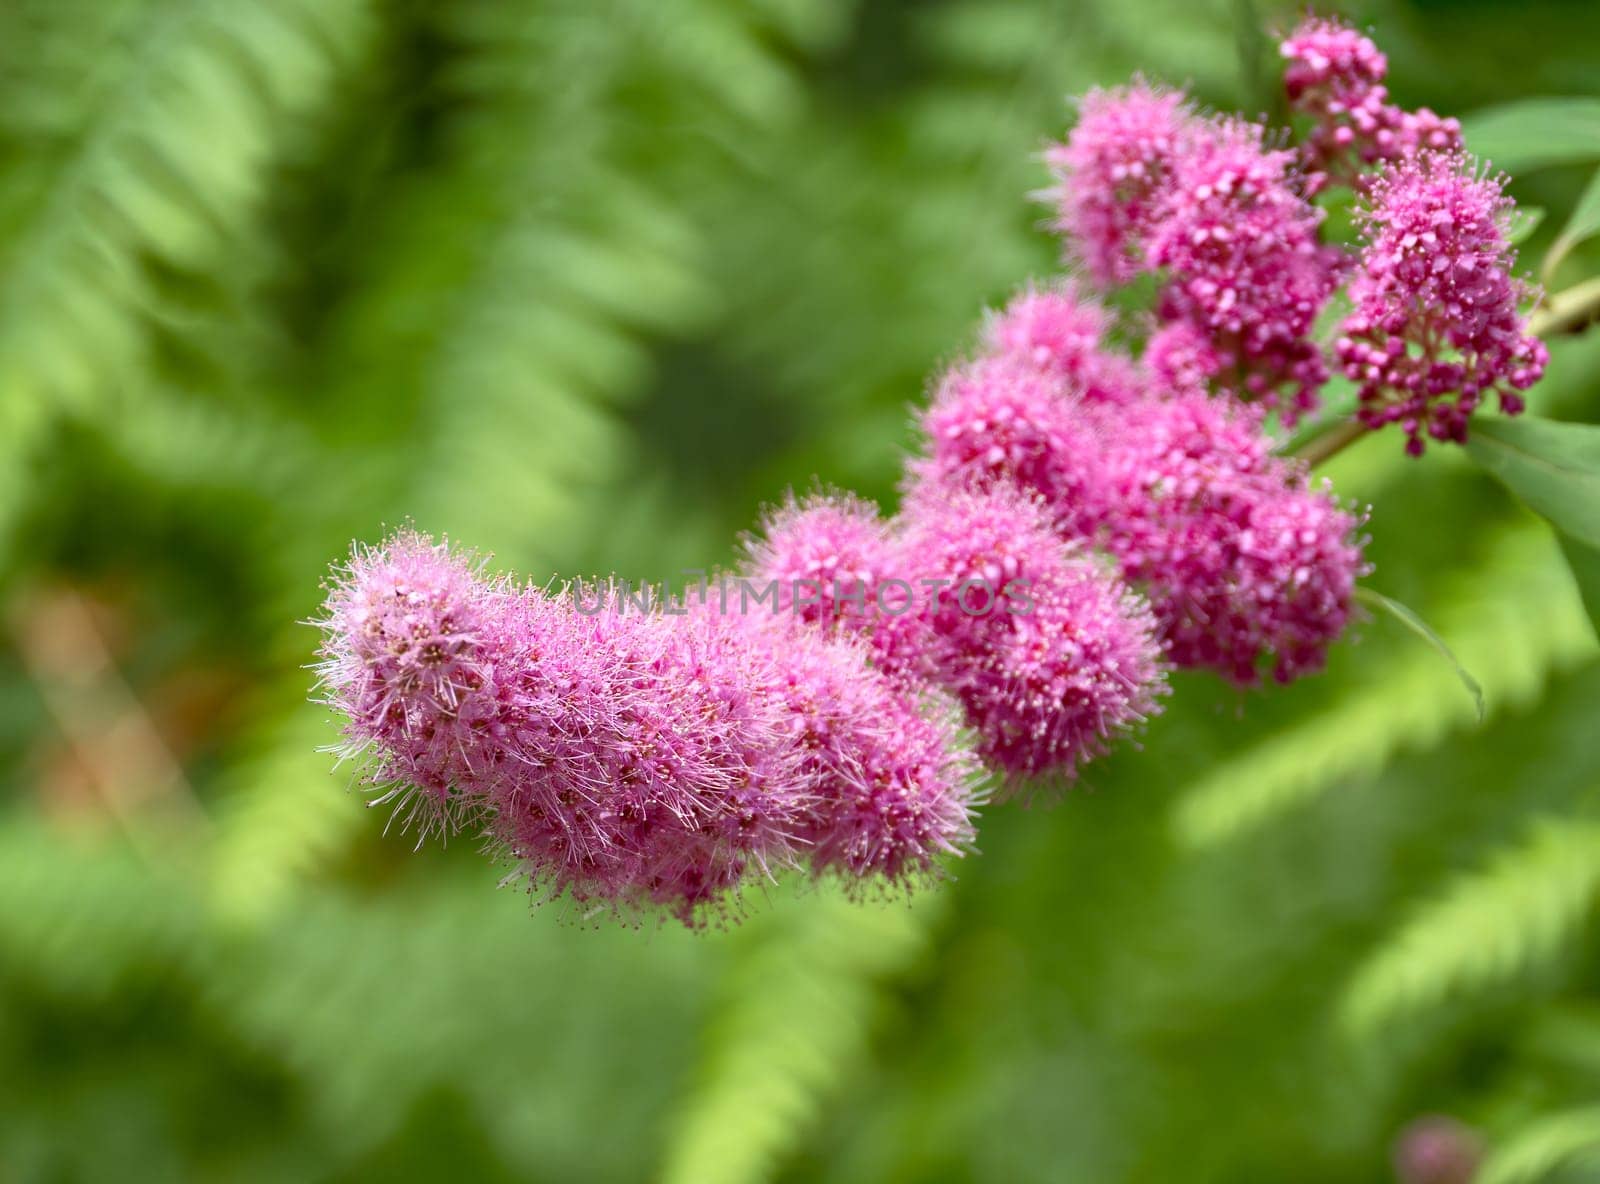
(1436, 326)
(1112, 173)
(416, 657)
(1239, 242)
(823, 556)
(1061, 332)
(998, 421)
(656, 772)
(1244, 563)
(1335, 74)
(891, 785)
(1050, 656)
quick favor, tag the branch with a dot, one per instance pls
(1331, 442)
(1569, 311)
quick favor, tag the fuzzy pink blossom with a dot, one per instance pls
(1239, 242)
(998, 421)
(891, 786)
(632, 761)
(823, 554)
(1436, 326)
(417, 657)
(1245, 563)
(1335, 74)
(1048, 653)
(1111, 175)
(1180, 356)
(657, 772)
(1061, 333)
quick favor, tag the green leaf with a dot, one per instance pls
(1585, 564)
(1554, 468)
(1258, 73)
(1583, 225)
(1422, 629)
(801, 996)
(1532, 133)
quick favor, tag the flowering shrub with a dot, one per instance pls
(1094, 499)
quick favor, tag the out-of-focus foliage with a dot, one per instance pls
(585, 282)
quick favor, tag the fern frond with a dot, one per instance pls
(562, 251)
(795, 1012)
(1489, 927)
(1411, 703)
(1543, 1147)
(94, 910)
(165, 171)
(282, 812)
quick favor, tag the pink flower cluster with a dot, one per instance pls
(1436, 325)
(1247, 275)
(974, 593)
(1076, 521)
(1335, 75)
(1246, 563)
(1224, 218)
(1145, 184)
(1112, 175)
(636, 761)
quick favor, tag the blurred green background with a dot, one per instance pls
(586, 282)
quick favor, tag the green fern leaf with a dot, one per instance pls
(1490, 926)
(1543, 1147)
(1413, 703)
(282, 813)
(795, 1013)
(168, 167)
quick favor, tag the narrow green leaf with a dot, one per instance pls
(1583, 225)
(1554, 468)
(1532, 133)
(1422, 629)
(1585, 564)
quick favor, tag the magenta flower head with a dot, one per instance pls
(657, 772)
(1180, 356)
(822, 557)
(1060, 332)
(416, 656)
(1239, 241)
(1112, 173)
(1049, 654)
(891, 785)
(632, 761)
(1330, 64)
(1001, 422)
(1244, 564)
(1335, 75)
(1436, 326)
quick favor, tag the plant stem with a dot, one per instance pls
(1333, 441)
(1570, 311)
